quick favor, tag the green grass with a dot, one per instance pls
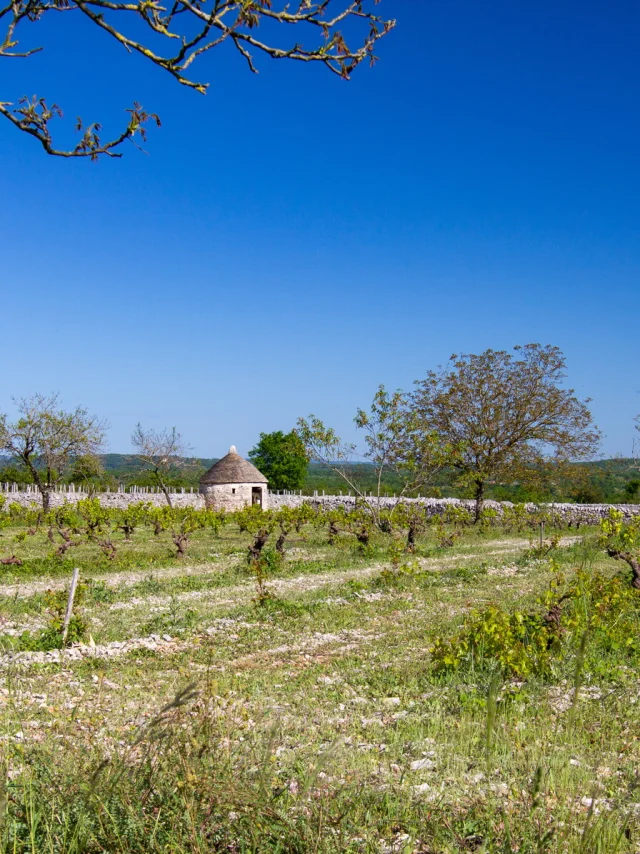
(316, 722)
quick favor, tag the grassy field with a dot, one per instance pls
(196, 719)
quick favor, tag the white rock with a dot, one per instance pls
(421, 764)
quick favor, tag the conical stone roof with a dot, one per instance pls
(232, 469)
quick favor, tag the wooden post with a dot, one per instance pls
(69, 611)
(541, 534)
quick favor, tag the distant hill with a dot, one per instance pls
(127, 463)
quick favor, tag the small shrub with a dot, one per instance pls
(519, 643)
(601, 608)
(490, 518)
(98, 591)
(175, 620)
(401, 566)
(51, 636)
(621, 541)
(538, 550)
(262, 567)
(515, 517)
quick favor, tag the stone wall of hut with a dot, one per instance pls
(232, 496)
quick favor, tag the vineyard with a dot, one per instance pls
(318, 681)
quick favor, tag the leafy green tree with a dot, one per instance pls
(508, 415)
(44, 440)
(15, 474)
(86, 468)
(173, 36)
(589, 494)
(88, 471)
(282, 458)
(632, 489)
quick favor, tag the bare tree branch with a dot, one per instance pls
(163, 453)
(33, 117)
(203, 25)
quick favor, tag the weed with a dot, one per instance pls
(175, 620)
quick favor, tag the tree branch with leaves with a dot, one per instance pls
(174, 36)
(397, 441)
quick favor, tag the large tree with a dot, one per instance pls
(175, 35)
(45, 439)
(282, 458)
(507, 413)
(163, 454)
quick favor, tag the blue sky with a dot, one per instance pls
(290, 240)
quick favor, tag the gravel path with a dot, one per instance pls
(24, 589)
(166, 645)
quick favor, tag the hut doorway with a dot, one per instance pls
(256, 495)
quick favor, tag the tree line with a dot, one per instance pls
(482, 421)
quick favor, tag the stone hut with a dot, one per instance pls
(233, 483)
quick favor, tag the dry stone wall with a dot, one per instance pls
(574, 513)
(108, 499)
